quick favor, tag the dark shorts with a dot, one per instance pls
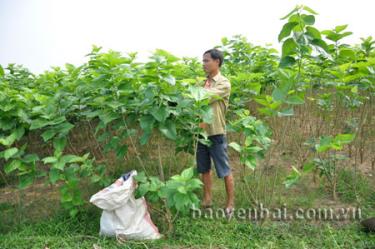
(218, 152)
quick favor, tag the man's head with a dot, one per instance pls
(212, 60)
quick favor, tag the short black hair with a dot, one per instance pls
(216, 54)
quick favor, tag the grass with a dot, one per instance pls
(62, 231)
(58, 230)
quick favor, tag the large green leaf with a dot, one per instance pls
(25, 181)
(15, 135)
(287, 61)
(49, 159)
(340, 28)
(48, 134)
(313, 32)
(160, 114)
(12, 165)
(320, 43)
(311, 11)
(8, 153)
(278, 94)
(198, 93)
(286, 112)
(286, 30)
(344, 138)
(289, 47)
(235, 146)
(308, 19)
(188, 173)
(59, 143)
(108, 116)
(1, 71)
(147, 122)
(168, 129)
(295, 100)
(54, 175)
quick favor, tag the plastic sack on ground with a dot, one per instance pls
(122, 213)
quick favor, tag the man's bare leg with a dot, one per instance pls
(229, 186)
(207, 188)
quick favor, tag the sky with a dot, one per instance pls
(44, 33)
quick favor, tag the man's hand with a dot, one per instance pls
(203, 125)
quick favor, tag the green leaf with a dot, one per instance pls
(49, 159)
(344, 138)
(198, 93)
(30, 158)
(324, 144)
(144, 138)
(313, 32)
(292, 178)
(340, 28)
(54, 175)
(182, 189)
(235, 146)
(254, 149)
(278, 94)
(141, 177)
(347, 53)
(345, 34)
(250, 162)
(320, 43)
(147, 122)
(188, 173)
(59, 144)
(308, 167)
(311, 11)
(121, 151)
(71, 159)
(1, 71)
(195, 183)
(354, 89)
(73, 212)
(308, 19)
(142, 189)
(207, 115)
(15, 135)
(286, 30)
(64, 128)
(38, 123)
(290, 13)
(295, 100)
(287, 61)
(47, 135)
(107, 117)
(10, 152)
(25, 181)
(11, 166)
(286, 112)
(168, 129)
(170, 79)
(289, 47)
(160, 114)
(181, 201)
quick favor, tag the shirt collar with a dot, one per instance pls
(216, 77)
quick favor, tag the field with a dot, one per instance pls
(300, 130)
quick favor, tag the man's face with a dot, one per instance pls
(209, 64)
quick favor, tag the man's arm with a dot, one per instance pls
(219, 91)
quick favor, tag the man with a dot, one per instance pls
(220, 87)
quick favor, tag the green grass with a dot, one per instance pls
(355, 188)
(18, 230)
(62, 231)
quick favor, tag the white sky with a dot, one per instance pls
(44, 33)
